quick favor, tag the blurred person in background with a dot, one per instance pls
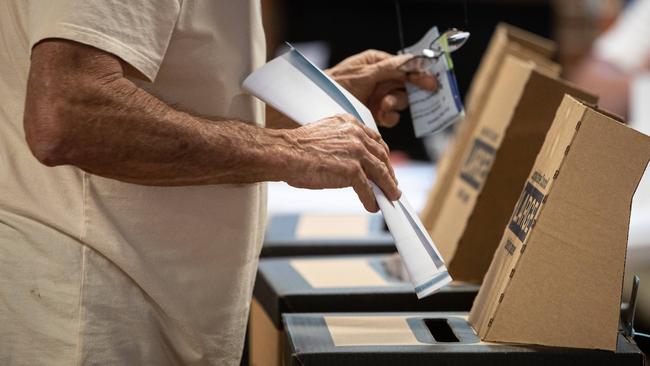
(619, 58)
(616, 58)
(131, 204)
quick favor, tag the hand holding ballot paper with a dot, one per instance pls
(294, 86)
(375, 79)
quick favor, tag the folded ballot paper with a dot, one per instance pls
(294, 86)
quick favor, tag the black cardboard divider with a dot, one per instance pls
(280, 289)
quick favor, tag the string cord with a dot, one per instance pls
(400, 29)
(641, 334)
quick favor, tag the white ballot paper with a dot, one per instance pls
(294, 86)
(434, 111)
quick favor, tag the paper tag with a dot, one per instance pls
(332, 226)
(370, 331)
(339, 273)
(434, 111)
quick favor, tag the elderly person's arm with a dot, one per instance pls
(81, 110)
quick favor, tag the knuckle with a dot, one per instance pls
(357, 130)
(371, 52)
(383, 155)
(358, 148)
(349, 118)
(354, 170)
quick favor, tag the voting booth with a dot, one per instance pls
(553, 291)
(557, 275)
(536, 192)
(483, 190)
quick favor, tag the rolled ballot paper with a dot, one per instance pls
(295, 87)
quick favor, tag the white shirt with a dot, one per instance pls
(96, 271)
(627, 43)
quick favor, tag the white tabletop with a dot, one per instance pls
(415, 181)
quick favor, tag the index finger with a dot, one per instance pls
(424, 80)
(388, 69)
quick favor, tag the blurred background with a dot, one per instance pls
(603, 56)
(329, 31)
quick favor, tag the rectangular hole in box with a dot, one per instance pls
(440, 330)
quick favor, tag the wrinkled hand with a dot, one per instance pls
(373, 77)
(339, 152)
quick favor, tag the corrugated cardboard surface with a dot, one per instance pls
(556, 278)
(266, 341)
(512, 128)
(404, 339)
(506, 40)
(296, 234)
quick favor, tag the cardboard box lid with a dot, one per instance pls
(561, 259)
(507, 40)
(484, 189)
(316, 234)
(406, 339)
(345, 283)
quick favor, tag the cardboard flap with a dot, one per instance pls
(532, 41)
(506, 91)
(506, 40)
(556, 277)
(495, 166)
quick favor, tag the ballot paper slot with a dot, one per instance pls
(440, 330)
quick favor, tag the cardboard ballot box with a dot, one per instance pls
(334, 284)
(484, 189)
(423, 339)
(506, 41)
(316, 234)
(557, 275)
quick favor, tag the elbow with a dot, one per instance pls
(48, 131)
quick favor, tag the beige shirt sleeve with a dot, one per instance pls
(138, 32)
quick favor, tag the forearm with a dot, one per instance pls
(80, 110)
(127, 134)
